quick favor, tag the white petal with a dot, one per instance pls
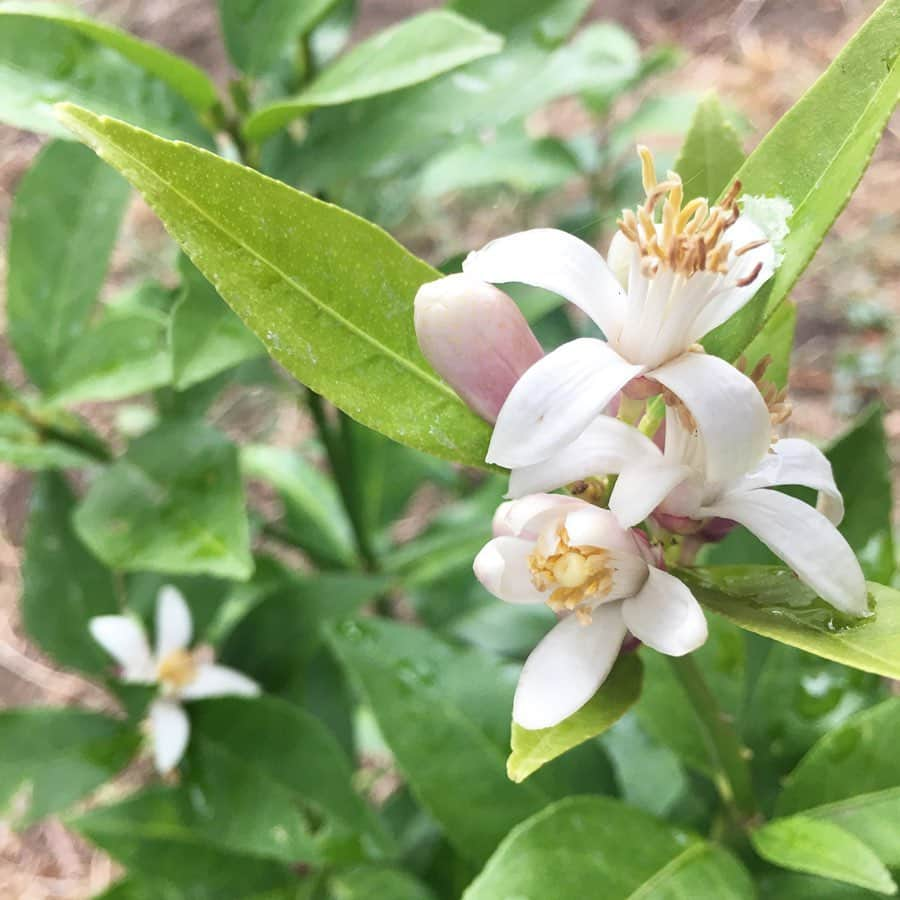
(170, 730)
(730, 413)
(590, 526)
(558, 262)
(555, 400)
(173, 622)
(641, 487)
(567, 667)
(730, 298)
(665, 616)
(605, 447)
(502, 567)
(619, 256)
(123, 638)
(218, 681)
(804, 539)
(527, 516)
(795, 461)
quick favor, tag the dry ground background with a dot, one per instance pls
(760, 55)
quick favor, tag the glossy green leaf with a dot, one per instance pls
(791, 886)
(63, 226)
(153, 835)
(24, 446)
(711, 153)
(51, 53)
(279, 258)
(258, 32)
(587, 843)
(51, 758)
(771, 601)
(776, 339)
(172, 503)
(532, 749)
(822, 848)
(414, 51)
(851, 778)
(815, 156)
(64, 586)
(205, 335)
(369, 882)
(543, 21)
(294, 750)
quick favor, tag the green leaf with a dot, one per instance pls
(280, 258)
(815, 156)
(154, 835)
(822, 848)
(598, 841)
(22, 445)
(51, 53)
(539, 20)
(267, 733)
(776, 339)
(414, 51)
(51, 758)
(711, 153)
(851, 778)
(313, 513)
(369, 882)
(173, 503)
(258, 32)
(63, 225)
(771, 601)
(205, 335)
(532, 749)
(64, 586)
(790, 886)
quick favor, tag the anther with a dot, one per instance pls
(751, 246)
(749, 279)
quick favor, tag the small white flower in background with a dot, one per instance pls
(685, 275)
(602, 580)
(180, 673)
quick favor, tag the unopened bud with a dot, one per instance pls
(476, 338)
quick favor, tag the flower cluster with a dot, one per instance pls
(587, 417)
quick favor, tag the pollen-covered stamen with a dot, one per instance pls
(775, 398)
(177, 670)
(689, 239)
(573, 574)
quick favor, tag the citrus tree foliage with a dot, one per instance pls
(352, 738)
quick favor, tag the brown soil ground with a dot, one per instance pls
(758, 54)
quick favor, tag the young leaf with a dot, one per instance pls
(851, 778)
(63, 226)
(822, 848)
(205, 336)
(711, 153)
(815, 156)
(585, 844)
(414, 51)
(22, 445)
(532, 749)
(329, 294)
(51, 758)
(771, 601)
(173, 503)
(64, 586)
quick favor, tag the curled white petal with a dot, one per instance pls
(590, 526)
(170, 730)
(218, 681)
(125, 640)
(641, 487)
(502, 567)
(527, 516)
(173, 622)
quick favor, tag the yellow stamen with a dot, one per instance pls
(177, 670)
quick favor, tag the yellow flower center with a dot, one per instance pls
(177, 670)
(574, 574)
(690, 239)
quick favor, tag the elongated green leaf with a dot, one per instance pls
(414, 51)
(63, 584)
(587, 843)
(822, 848)
(776, 339)
(22, 445)
(205, 335)
(368, 882)
(772, 602)
(258, 32)
(851, 778)
(791, 886)
(62, 228)
(173, 503)
(546, 22)
(280, 258)
(50, 758)
(532, 749)
(815, 156)
(711, 153)
(48, 55)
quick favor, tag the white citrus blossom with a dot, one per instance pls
(181, 674)
(685, 275)
(602, 581)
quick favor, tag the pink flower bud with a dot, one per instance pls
(476, 338)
